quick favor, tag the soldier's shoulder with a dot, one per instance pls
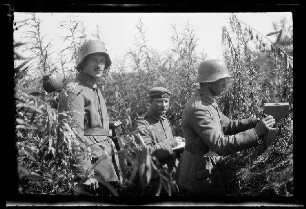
(142, 121)
(71, 90)
(195, 105)
(74, 87)
(142, 118)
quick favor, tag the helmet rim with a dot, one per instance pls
(92, 47)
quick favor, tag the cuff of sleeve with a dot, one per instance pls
(259, 139)
(254, 122)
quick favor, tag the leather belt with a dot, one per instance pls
(96, 132)
(202, 153)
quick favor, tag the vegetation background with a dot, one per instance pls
(262, 72)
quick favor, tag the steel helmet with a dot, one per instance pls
(212, 70)
(92, 47)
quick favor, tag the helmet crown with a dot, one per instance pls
(212, 70)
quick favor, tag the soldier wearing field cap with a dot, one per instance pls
(156, 133)
(209, 134)
(82, 100)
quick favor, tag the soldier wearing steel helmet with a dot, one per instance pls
(209, 134)
(83, 101)
(156, 133)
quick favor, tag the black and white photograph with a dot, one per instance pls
(141, 104)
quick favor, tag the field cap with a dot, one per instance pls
(159, 92)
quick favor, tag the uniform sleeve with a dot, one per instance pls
(159, 148)
(71, 105)
(232, 127)
(205, 127)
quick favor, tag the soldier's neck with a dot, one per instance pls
(155, 115)
(85, 78)
(207, 94)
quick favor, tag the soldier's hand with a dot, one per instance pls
(179, 139)
(174, 143)
(265, 125)
(269, 138)
(91, 184)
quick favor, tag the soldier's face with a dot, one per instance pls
(160, 105)
(94, 65)
(219, 86)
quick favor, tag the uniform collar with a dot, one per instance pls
(151, 115)
(206, 96)
(87, 80)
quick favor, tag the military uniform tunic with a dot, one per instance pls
(205, 129)
(83, 101)
(157, 135)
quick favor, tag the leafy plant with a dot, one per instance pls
(259, 76)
